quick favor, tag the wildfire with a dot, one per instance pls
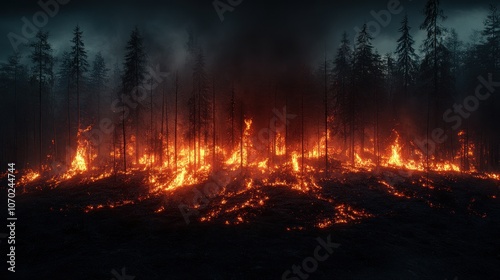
(247, 199)
(392, 190)
(395, 158)
(363, 163)
(344, 214)
(280, 145)
(29, 177)
(295, 162)
(493, 176)
(80, 161)
(111, 205)
(248, 171)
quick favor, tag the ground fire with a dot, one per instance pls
(262, 140)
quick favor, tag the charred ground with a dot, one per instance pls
(389, 227)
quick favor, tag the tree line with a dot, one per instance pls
(419, 93)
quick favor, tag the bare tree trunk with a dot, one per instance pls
(78, 90)
(467, 163)
(175, 120)
(137, 116)
(114, 152)
(124, 143)
(377, 145)
(161, 127)
(326, 116)
(213, 126)
(428, 99)
(98, 118)
(274, 132)
(151, 149)
(40, 110)
(137, 135)
(318, 136)
(232, 117)
(302, 140)
(167, 135)
(241, 136)
(286, 128)
(352, 126)
(69, 118)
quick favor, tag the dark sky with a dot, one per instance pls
(257, 31)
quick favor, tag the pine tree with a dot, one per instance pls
(202, 102)
(99, 78)
(455, 47)
(489, 56)
(42, 59)
(12, 72)
(342, 78)
(79, 67)
(65, 78)
(491, 35)
(133, 77)
(364, 67)
(430, 64)
(406, 57)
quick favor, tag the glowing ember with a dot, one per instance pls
(392, 190)
(29, 177)
(344, 214)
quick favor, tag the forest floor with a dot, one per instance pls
(383, 226)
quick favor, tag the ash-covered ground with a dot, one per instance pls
(383, 225)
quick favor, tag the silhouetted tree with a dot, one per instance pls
(98, 80)
(491, 35)
(79, 66)
(42, 59)
(133, 78)
(342, 89)
(432, 46)
(364, 67)
(406, 58)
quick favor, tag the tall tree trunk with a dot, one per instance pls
(326, 116)
(40, 110)
(137, 114)
(161, 127)
(167, 135)
(175, 120)
(16, 120)
(286, 127)
(302, 139)
(213, 126)
(78, 87)
(98, 119)
(114, 152)
(151, 148)
(124, 143)
(352, 122)
(232, 117)
(377, 146)
(241, 136)
(69, 118)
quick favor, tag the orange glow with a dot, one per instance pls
(29, 177)
(81, 158)
(248, 170)
(344, 214)
(280, 147)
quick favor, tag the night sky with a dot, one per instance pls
(274, 34)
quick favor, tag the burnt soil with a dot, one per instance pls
(449, 231)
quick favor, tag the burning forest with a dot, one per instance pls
(223, 147)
